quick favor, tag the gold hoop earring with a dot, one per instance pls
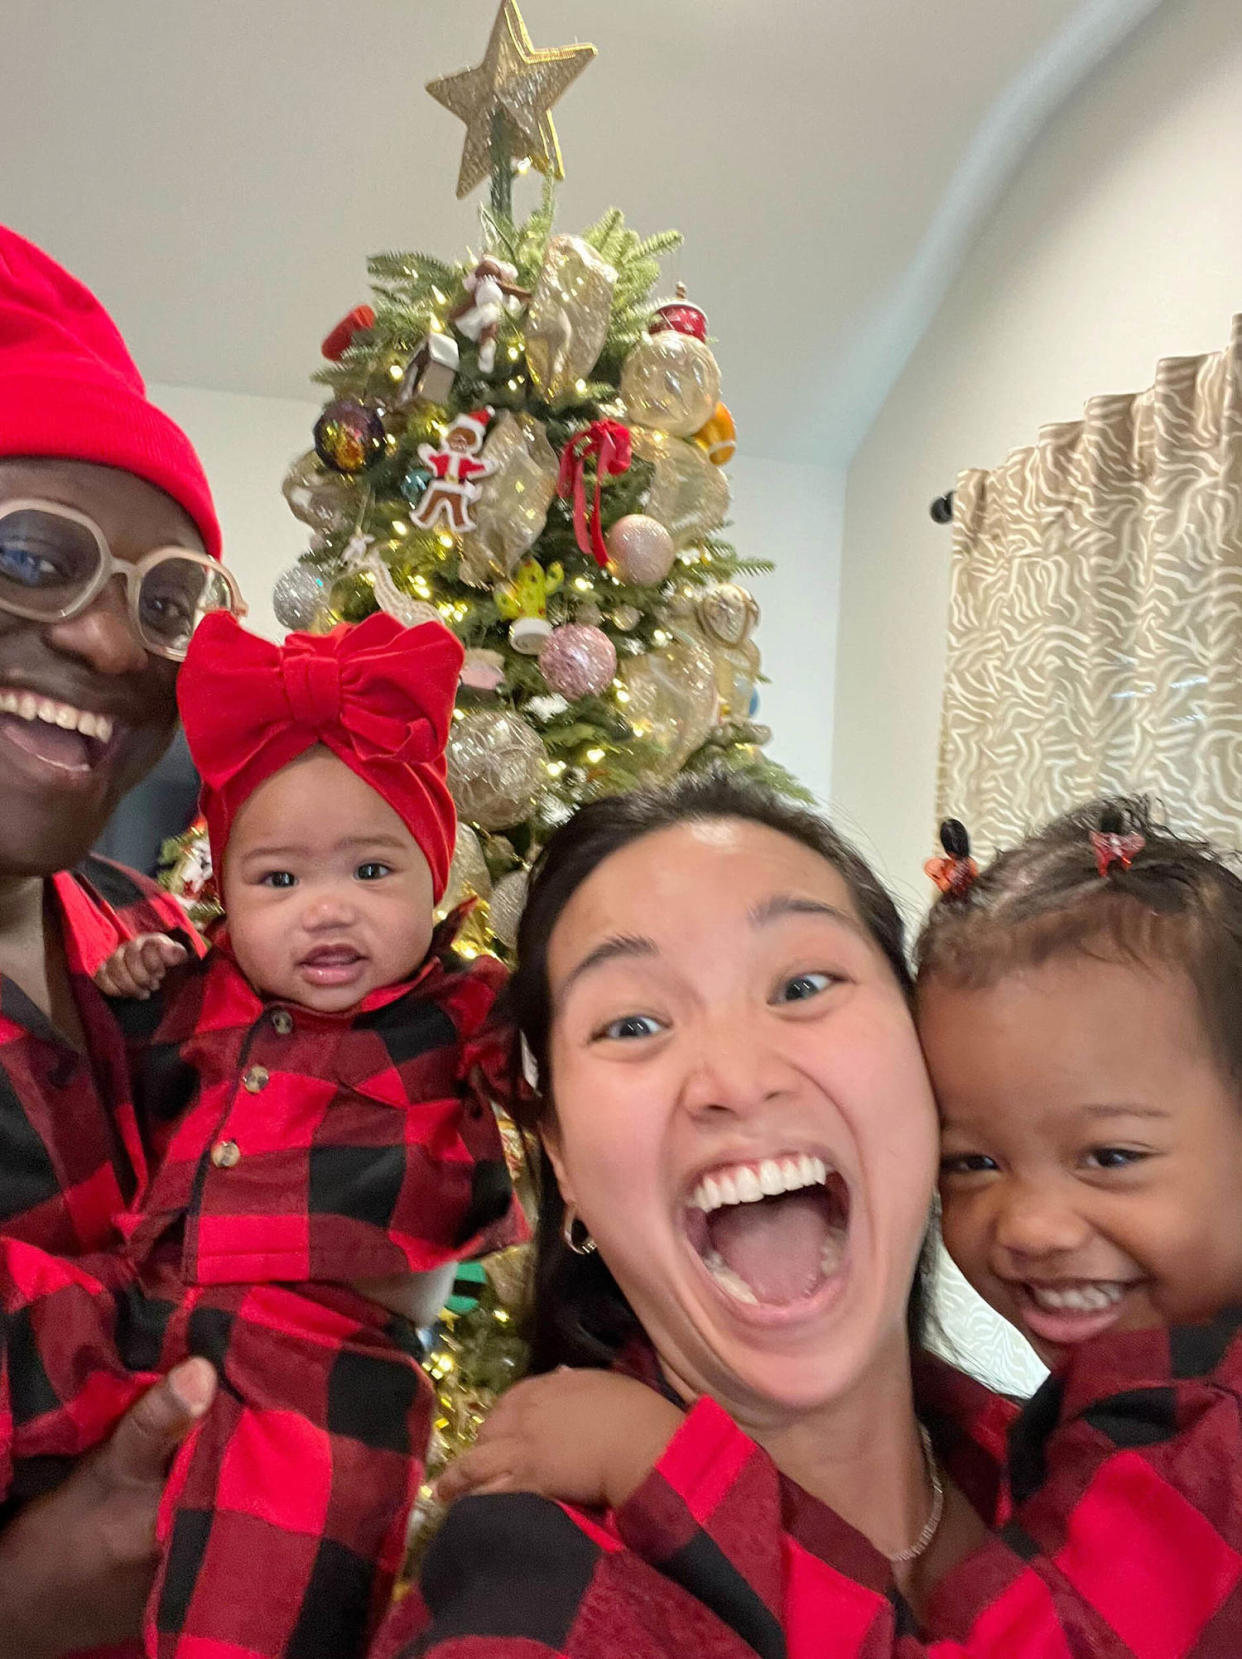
(572, 1219)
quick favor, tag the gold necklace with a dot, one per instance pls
(922, 1543)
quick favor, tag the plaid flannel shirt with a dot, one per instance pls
(291, 1146)
(1116, 1494)
(70, 1157)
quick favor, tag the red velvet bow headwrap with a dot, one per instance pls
(378, 695)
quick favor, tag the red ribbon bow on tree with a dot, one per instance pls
(378, 695)
(609, 443)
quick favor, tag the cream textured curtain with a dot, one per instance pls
(1095, 644)
(1095, 635)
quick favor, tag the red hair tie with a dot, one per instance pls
(1114, 850)
(956, 872)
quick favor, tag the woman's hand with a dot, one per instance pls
(584, 1437)
(76, 1566)
(137, 967)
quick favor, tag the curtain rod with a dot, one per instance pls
(942, 508)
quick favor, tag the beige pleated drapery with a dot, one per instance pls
(1095, 634)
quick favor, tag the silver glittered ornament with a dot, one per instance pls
(468, 875)
(504, 911)
(298, 597)
(496, 767)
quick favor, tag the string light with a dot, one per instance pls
(400, 527)
(595, 756)
(395, 371)
(556, 768)
(514, 353)
(438, 297)
(584, 584)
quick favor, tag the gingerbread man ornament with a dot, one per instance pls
(456, 468)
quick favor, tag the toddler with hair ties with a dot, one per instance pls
(1080, 1007)
(318, 1143)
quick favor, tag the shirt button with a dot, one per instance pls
(255, 1080)
(282, 1021)
(225, 1154)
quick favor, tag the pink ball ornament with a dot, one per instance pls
(641, 549)
(578, 661)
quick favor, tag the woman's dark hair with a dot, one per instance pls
(581, 1317)
(1107, 880)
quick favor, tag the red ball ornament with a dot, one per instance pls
(349, 436)
(680, 317)
(578, 660)
(342, 336)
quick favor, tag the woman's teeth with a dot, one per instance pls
(1079, 1298)
(26, 706)
(771, 1231)
(747, 1183)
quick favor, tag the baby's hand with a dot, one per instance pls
(137, 967)
(583, 1437)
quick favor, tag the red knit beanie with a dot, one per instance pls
(69, 388)
(378, 695)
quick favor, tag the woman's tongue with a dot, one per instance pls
(782, 1247)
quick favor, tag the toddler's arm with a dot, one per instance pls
(583, 1437)
(137, 967)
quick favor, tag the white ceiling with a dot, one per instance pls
(219, 169)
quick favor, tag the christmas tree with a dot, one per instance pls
(529, 445)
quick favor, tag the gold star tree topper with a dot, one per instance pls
(518, 84)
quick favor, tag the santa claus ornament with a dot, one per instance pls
(455, 468)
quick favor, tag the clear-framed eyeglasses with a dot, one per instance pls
(55, 562)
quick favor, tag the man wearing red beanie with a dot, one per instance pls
(108, 543)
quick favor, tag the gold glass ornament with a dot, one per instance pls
(495, 768)
(518, 83)
(468, 875)
(688, 495)
(671, 698)
(567, 323)
(728, 613)
(671, 383)
(318, 497)
(514, 498)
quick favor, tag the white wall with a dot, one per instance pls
(1119, 242)
(789, 514)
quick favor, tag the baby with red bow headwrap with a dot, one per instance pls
(318, 1143)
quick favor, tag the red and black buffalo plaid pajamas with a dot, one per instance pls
(70, 1155)
(291, 1154)
(1116, 1495)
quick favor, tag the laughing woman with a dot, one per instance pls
(741, 1145)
